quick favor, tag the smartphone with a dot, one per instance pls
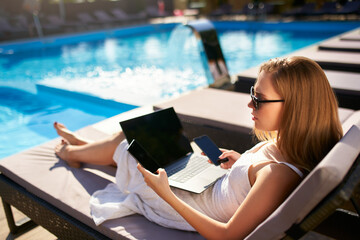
(142, 156)
(210, 149)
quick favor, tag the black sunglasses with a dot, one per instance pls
(257, 102)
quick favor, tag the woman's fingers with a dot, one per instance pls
(230, 154)
(149, 176)
(141, 168)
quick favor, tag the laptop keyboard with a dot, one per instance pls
(193, 167)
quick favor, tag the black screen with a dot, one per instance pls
(160, 133)
(143, 157)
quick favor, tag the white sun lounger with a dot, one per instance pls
(346, 85)
(351, 36)
(340, 45)
(342, 68)
(223, 115)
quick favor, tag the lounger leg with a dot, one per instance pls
(16, 229)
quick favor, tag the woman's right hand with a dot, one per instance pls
(158, 182)
(231, 155)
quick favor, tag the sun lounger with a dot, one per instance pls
(327, 8)
(104, 17)
(57, 196)
(5, 26)
(87, 20)
(209, 108)
(313, 205)
(249, 9)
(300, 11)
(351, 36)
(119, 14)
(55, 20)
(245, 10)
(332, 60)
(224, 9)
(211, 111)
(340, 45)
(346, 85)
(341, 67)
(8, 31)
(266, 8)
(350, 7)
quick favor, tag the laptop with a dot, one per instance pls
(161, 134)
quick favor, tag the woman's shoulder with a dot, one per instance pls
(257, 147)
(273, 172)
(267, 150)
(277, 169)
(271, 164)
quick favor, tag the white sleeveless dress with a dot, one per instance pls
(130, 194)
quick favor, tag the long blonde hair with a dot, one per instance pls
(310, 124)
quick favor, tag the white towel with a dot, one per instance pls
(131, 195)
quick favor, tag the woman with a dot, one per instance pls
(295, 115)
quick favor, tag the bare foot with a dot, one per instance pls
(69, 136)
(63, 151)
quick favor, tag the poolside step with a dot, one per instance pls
(87, 99)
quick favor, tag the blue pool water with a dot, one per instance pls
(117, 70)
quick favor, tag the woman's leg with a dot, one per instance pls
(76, 150)
(70, 137)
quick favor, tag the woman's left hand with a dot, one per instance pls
(157, 182)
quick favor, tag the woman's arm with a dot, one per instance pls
(202, 223)
(273, 183)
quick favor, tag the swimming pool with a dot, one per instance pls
(117, 70)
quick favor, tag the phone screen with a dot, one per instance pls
(210, 149)
(142, 156)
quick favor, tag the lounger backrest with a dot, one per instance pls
(315, 187)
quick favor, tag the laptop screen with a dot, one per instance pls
(160, 133)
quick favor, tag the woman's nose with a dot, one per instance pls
(251, 104)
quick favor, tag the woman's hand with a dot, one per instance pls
(157, 182)
(231, 155)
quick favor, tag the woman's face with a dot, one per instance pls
(267, 117)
